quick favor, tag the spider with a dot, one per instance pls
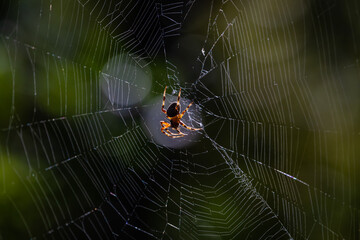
(174, 115)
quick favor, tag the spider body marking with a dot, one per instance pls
(172, 112)
(174, 115)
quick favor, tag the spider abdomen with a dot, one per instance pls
(172, 111)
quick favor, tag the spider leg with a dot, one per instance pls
(173, 135)
(163, 103)
(180, 133)
(165, 130)
(165, 127)
(190, 128)
(178, 100)
(187, 108)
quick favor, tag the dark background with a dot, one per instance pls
(276, 90)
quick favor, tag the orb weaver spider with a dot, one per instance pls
(174, 115)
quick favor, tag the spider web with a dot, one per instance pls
(274, 89)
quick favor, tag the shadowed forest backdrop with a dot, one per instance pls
(275, 86)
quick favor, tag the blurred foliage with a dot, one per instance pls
(70, 44)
